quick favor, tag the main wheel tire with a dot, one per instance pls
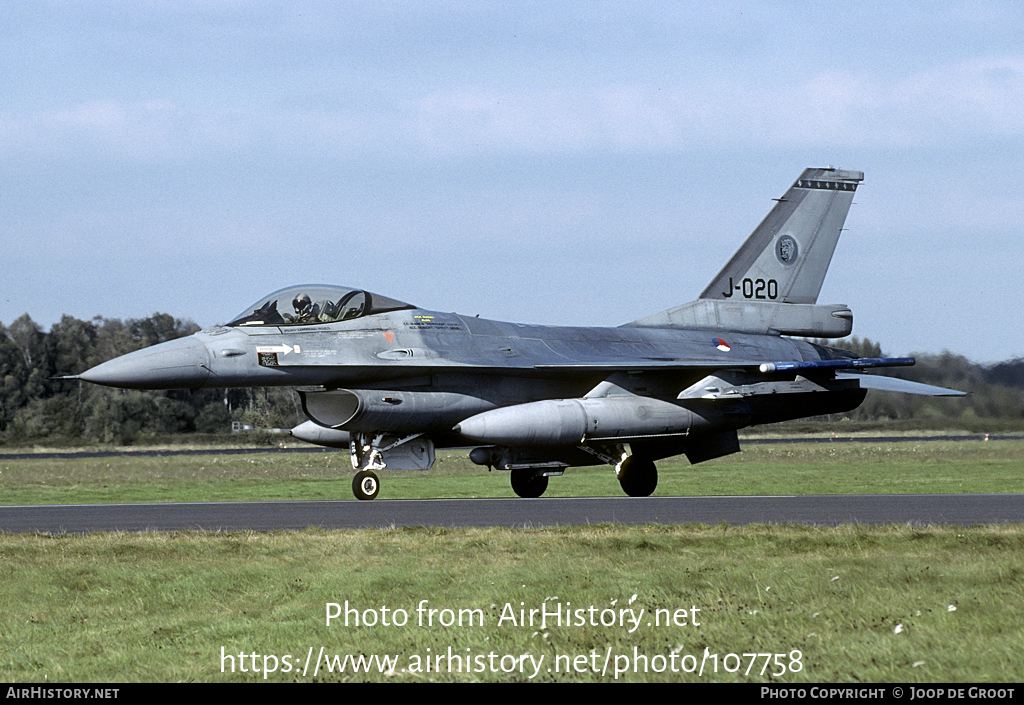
(365, 485)
(526, 483)
(637, 476)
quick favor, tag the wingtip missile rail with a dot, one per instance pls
(845, 364)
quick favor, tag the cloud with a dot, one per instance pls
(977, 99)
(939, 105)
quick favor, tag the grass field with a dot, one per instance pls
(810, 468)
(785, 604)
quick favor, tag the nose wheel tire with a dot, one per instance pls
(365, 485)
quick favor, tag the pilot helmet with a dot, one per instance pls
(301, 303)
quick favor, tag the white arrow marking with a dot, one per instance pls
(283, 349)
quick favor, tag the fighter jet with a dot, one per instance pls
(391, 381)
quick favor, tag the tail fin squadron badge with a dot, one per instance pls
(786, 249)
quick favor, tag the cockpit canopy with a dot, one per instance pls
(314, 303)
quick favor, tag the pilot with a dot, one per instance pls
(307, 312)
(303, 307)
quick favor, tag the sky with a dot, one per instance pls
(564, 163)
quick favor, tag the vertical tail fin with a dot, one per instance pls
(786, 257)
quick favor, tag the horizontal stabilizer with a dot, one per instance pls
(891, 384)
(850, 363)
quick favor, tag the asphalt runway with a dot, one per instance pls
(819, 510)
(822, 510)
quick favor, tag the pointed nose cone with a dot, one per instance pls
(183, 363)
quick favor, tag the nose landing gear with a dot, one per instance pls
(365, 485)
(376, 451)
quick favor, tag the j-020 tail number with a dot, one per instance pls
(754, 289)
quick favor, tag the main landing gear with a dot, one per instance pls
(529, 482)
(637, 476)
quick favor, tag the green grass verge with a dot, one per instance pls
(881, 604)
(875, 604)
(783, 469)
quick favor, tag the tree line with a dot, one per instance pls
(995, 401)
(36, 408)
